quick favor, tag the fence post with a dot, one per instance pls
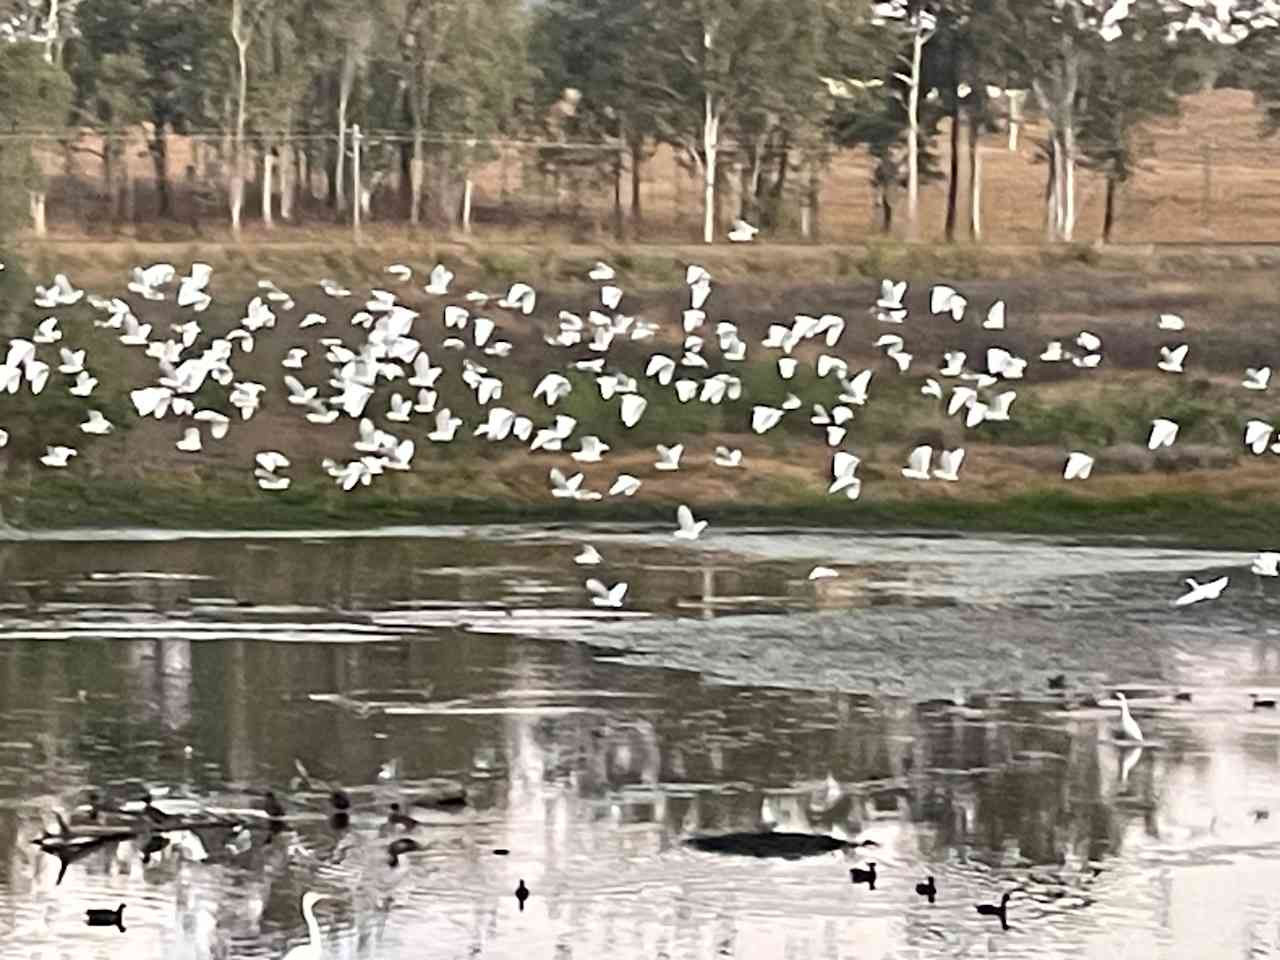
(356, 194)
(466, 206)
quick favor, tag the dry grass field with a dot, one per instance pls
(1210, 178)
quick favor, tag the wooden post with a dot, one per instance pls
(355, 182)
(466, 206)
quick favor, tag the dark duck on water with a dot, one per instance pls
(1002, 911)
(867, 876)
(106, 918)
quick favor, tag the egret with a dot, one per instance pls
(311, 950)
(1127, 723)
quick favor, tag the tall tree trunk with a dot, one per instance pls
(637, 162)
(268, 163)
(1068, 182)
(918, 40)
(36, 199)
(50, 31)
(241, 39)
(287, 181)
(1109, 210)
(814, 200)
(953, 172)
(711, 148)
(618, 159)
(338, 184)
(975, 180)
(1050, 192)
(109, 172)
(417, 170)
(159, 147)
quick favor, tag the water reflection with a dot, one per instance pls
(591, 758)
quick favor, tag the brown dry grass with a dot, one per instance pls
(1211, 178)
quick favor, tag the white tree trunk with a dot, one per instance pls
(710, 149)
(236, 192)
(346, 82)
(417, 165)
(37, 198)
(356, 187)
(913, 136)
(268, 163)
(51, 30)
(287, 182)
(1068, 225)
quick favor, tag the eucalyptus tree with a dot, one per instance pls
(37, 98)
(1138, 77)
(597, 47)
(425, 36)
(719, 70)
(920, 19)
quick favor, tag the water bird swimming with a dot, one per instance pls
(398, 819)
(312, 949)
(868, 876)
(927, 889)
(106, 918)
(272, 806)
(1002, 911)
(522, 894)
(1058, 682)
(1261, 703)
(398, 848)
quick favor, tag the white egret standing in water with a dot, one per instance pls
(1127, 723)
(311, 950)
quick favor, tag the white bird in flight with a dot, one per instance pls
(1201, 591)
(688, 529)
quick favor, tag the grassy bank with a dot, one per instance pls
(1205, 489)
(1174, 516)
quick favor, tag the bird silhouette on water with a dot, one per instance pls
(927, 889)
(272, 806)
(397, 818)
(106, 918)
(1002, 911)
(522, 894)
(1263, 703)
(1058, 682)
(867, 876)
(397, 848)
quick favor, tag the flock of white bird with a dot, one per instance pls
(390, 351)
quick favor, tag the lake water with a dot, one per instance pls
(903, 702)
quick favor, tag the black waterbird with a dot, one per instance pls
(397, 818)
(1058, 682)
(868, 876)
(272, 805)
(397, 848)
(1260, 703)
(522, 894)
(927, 889)
(1002, 911)
(106, 918)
